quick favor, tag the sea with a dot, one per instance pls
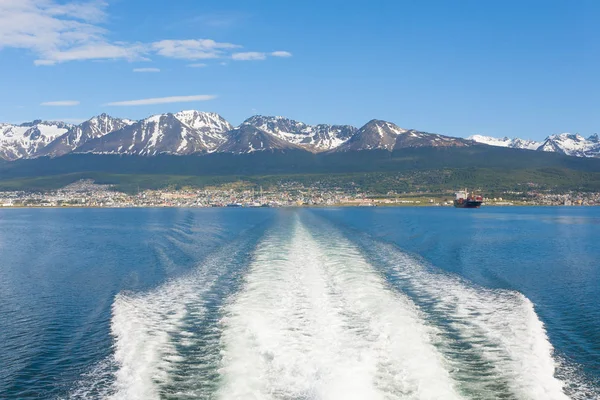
(300, 303)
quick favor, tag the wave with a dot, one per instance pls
(308, 311)
(315, 320)
(494, 337)
(166, 340)
(494, 341)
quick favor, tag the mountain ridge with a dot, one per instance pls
(564, 143)
(192, 132)
(321, 137)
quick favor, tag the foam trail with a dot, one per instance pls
(143, 326)
(494, 337)
(315, 321)
(163, 341)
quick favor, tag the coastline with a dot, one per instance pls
(296, 206)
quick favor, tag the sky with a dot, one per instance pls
(500, 68)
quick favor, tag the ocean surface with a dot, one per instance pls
(348, 303)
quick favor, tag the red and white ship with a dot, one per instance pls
(464, 199)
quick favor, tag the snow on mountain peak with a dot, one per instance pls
(204, 120)
(572, 144)
(25, 140)
(375, 134)
(192, 131)
(567, 136)
(316, 138)
(388, 126)
(249, 139)
(506, 142)
(76, 136)
(185, 132)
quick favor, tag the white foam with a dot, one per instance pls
(94, 384)
(152, 329)
(500, 325)
(318, 322)
(143, 326)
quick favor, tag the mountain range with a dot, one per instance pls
(564, 143)
(196, 133)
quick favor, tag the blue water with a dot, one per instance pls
(415, 303)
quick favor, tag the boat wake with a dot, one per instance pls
(166, 340)
(314, 323)
(305, 311)
(494, 343)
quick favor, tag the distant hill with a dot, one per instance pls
(503, 167)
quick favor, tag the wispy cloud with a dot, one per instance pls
(248, 56)
(94, 51)
(61, 103)
(256, 55)
(146, 70)
(281, 54)
(197, 65)
(192, 49)
(56, 32)
(163, 100)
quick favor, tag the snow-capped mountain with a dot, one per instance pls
(315, 138)
(248, 139)
(572, 145)
(163, 134)
(563, 143)
(210, 127)
(375, 134)
(76, 136)
(26, 140)
(413, 138)
(515, 143)
(196, 132)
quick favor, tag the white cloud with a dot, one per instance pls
(197, 65)
(249, 55)
(146, 70)
(58, 31)
(192, 49)
(163, 100)
(256, 55)
(61, 103)
(94, 51)
(281, 54)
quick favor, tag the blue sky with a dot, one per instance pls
(504, 68)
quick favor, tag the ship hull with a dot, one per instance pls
(467, 204)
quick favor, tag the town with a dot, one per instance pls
(86, 193)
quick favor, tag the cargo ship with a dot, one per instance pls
(464, 199)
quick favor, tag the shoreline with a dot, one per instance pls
(295, 206)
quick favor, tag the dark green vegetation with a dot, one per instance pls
(429, 169)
